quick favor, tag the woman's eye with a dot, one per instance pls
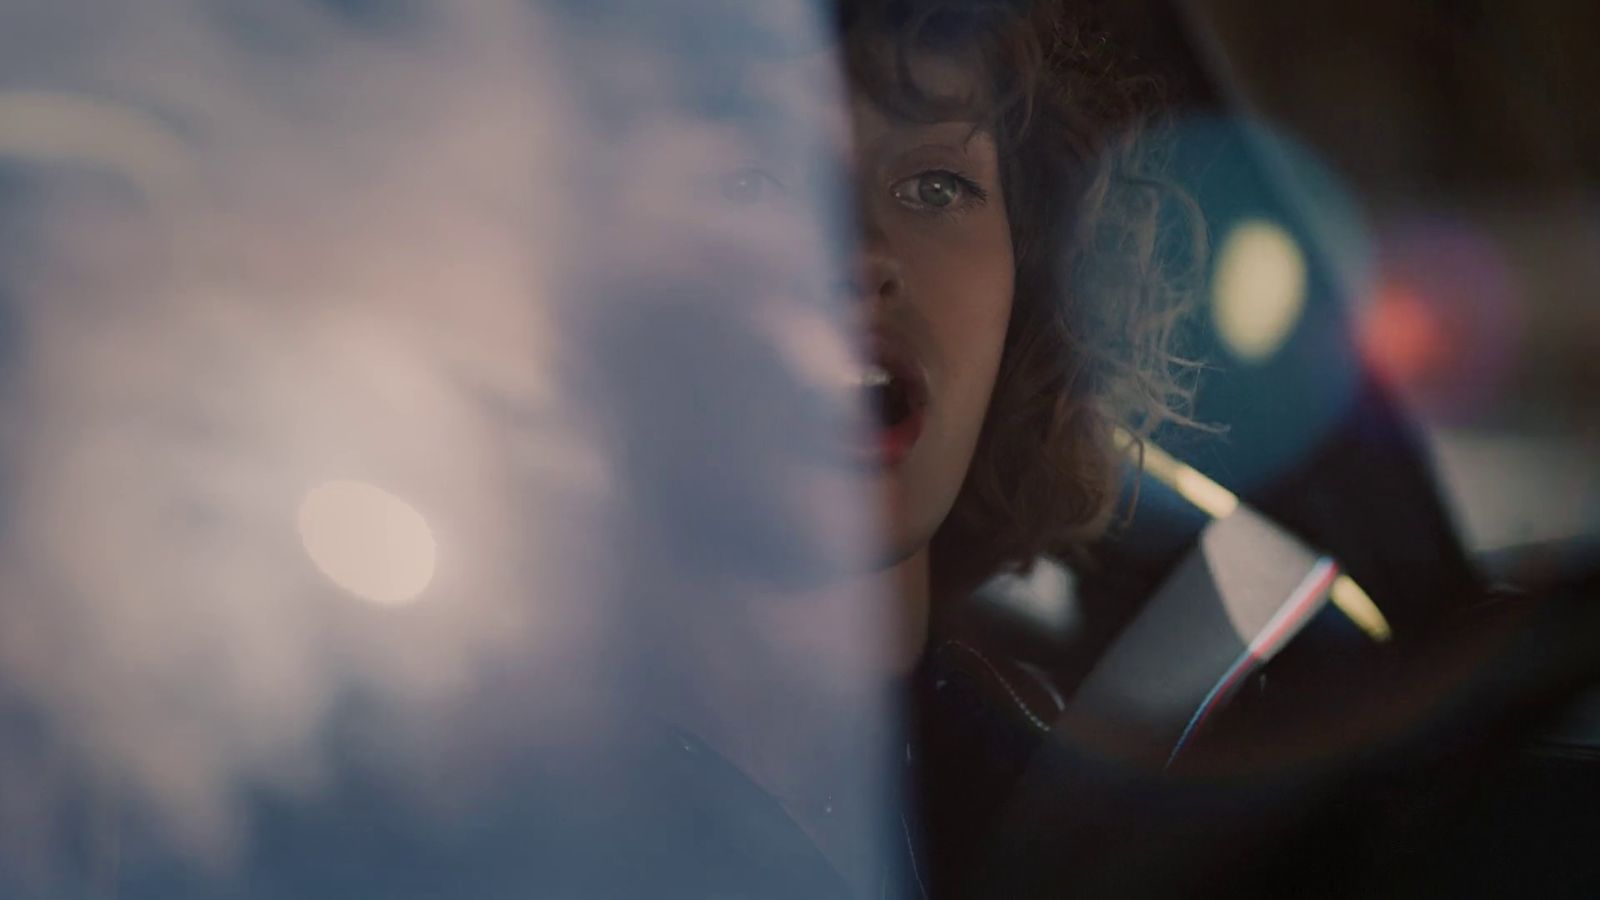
(936, 190)
(748, 185)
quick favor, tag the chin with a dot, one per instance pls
(914, 513)
(903, 541)
(831, 534)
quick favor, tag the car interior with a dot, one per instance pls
(1342, 638)
(1483, 781)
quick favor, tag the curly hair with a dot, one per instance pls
(1108, 254)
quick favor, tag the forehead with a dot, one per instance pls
(812, 99)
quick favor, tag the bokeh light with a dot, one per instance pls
(1289, 244)
(1441, 324)
(1259, 291)
(368, 541)
(1403, 337)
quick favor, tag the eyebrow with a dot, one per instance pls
(977, 129)
(733, 104)
(964, 143)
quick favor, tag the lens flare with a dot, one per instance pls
(1218, 502)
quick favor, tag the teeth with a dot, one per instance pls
(871, 376)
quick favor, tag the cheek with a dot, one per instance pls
(968, 309)
(962, 294)
(985, 317)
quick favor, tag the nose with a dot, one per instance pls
(871, 274)
(879, 276)
(876, 277)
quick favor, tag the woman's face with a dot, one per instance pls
(936, 273)
(929, 291)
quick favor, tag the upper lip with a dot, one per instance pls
(902, 364)
(830, 384)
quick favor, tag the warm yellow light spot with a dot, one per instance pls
(1189, 483)
(368, 541)
(1259, 290)
(1359, 608)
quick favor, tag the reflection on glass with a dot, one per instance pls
(59, 127)
(368, 541)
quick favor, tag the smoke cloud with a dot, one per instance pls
(253, 250)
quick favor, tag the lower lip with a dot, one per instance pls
(888, 445)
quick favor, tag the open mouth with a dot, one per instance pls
(894, 393)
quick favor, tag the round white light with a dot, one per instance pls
(368, 541)
(1259, 291)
